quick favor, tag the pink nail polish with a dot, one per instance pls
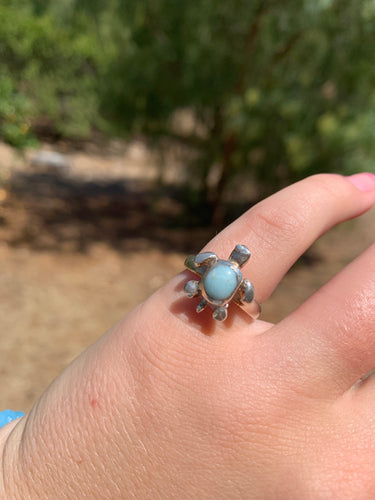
(365, 181)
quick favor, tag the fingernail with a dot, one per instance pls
(365, 181)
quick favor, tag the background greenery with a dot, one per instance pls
(268, 89)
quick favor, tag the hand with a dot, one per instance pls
(173, 405)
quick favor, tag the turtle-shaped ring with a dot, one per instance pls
(221, 282)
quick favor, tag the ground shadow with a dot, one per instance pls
(46, 211)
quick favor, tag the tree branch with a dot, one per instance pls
(283, 51)
(249, 49)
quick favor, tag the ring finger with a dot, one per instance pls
(281, 228)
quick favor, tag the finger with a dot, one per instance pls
(332, 334)
(281, 228)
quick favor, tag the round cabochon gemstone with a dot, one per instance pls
(221, 281)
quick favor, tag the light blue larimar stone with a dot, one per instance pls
(221, 281)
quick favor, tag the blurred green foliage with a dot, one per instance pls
(47, 74)
(276, 90)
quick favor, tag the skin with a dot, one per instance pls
(172, 405)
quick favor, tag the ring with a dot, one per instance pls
(221, 282)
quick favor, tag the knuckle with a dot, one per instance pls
(162, 355)
(173, 369)
(326, 186)
(292, 217)
(273, 225)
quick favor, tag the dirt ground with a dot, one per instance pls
(79, 251)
